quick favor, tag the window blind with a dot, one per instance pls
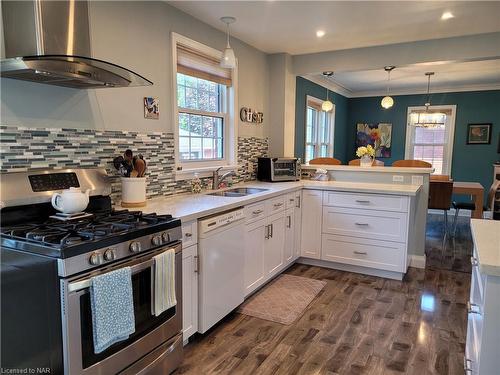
(198, 65)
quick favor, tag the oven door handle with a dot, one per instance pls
(85, 283)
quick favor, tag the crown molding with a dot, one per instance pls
(329, 84)
(335, 87)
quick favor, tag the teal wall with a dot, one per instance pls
(305, 87)
(470, 162)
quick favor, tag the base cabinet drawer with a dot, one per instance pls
(382, 255)
(379, 225)
(189, 233)
(366, 201)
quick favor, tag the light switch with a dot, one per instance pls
(397, 178)
(417, 180)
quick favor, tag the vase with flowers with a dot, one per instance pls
(366, 155)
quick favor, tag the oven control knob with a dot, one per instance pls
(165, 237)
(109, 255)
(95, 259)
(135, 247)
(156, 240)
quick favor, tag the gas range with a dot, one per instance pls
(48, 266)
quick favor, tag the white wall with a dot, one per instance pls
(136, 35)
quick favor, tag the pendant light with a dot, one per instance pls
(387, 102)
(327, 105)
(431, 119)
(228, 59)
(428, 103)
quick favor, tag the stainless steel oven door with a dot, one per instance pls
(150, 331)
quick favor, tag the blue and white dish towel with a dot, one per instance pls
(164, 282)
(112, 305)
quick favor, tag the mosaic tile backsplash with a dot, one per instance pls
(24, 149)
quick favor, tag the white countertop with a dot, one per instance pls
(354, 168)
(486, 235)
(193, 206)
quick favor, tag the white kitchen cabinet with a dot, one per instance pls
(483, 340)
(274, 244)
(311, 224)
(289, 249)
(189, 291)
(297, 212)
(189, 233)
(254, 244)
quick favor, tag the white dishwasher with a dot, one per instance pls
(221, 266)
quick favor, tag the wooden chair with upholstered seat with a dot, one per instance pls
(412, 163)
(376, 162)
(440, 192)
(325, 161)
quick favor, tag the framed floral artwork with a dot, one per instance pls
(478, 134)
(377, 135)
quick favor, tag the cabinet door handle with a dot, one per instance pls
(362, 201)
(297, 204)
(271, 226)
(266, 235)
(196, 264)
(360, 252)
(188, 234)
(257, 212)
(289, 218)
(278, 205)
(362, 224)
(472, 308)
(473, 261)
(467, 367)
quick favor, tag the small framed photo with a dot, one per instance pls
(151, 108)
(478, 134)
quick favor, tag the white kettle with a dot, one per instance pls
(71, 201)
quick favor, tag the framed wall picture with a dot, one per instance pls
(478, 134)
(151, 108)
(377, 135)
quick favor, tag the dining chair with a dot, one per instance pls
(326, 161)
(412, 163)
(376, 162)
(489, 205)
(440, 193)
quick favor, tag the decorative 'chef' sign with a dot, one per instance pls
(247, 115)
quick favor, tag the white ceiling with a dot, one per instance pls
(290, 26)
(454, 76)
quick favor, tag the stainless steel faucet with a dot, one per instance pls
(219, 179)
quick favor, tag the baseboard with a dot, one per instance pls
(417, 261)
(351, 268)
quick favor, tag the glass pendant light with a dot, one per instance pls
(387, 102)
(228, 59)
(327, 105)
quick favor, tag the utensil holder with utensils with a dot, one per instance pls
(133, 191)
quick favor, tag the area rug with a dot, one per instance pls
(283, 300)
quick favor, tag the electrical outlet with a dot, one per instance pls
(397, 178)
(417, 180)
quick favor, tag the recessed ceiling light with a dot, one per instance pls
(447, 16)
(320, 33)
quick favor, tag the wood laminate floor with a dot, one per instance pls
(357, 325)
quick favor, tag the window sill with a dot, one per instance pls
(188, 174)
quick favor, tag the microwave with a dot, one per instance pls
(278, 169)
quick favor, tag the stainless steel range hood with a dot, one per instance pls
(49, 42)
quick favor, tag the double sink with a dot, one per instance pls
(238, 192)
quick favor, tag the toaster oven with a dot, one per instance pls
(278, 169)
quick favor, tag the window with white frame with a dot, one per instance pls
(319, 130)
(430, 136)
(204, 114)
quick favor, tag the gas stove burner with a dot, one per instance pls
(61, 234)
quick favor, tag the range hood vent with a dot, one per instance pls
(48, 42)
